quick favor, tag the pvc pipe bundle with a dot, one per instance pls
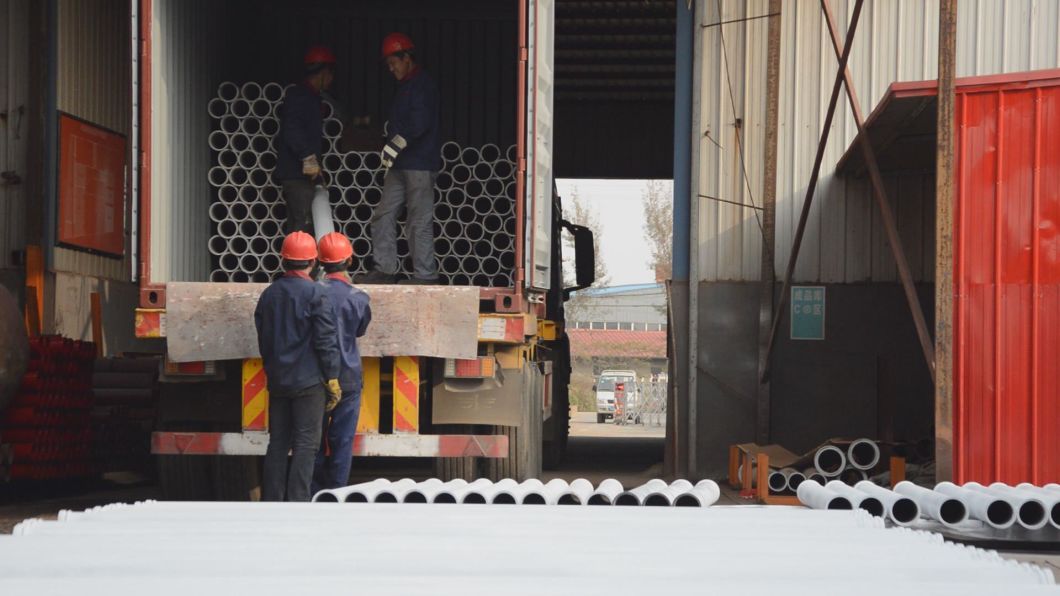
(219, 548)
(679, 493)
(474, 223)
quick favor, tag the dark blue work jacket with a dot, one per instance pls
(353, 313)
(301, 131)
(414, 116)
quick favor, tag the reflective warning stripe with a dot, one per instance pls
(406, 394)
(255, 396)
(369, 420)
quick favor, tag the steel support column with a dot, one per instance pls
(944, 212)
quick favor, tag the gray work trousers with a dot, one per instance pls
(298, 195)
(294, 425)
(415, 190)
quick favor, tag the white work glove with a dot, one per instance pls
(393, 148)
(311, 167)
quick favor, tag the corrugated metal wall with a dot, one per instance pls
(1007, 271)
(14, 128)
(895, 41)
(94, 85)
(187, 39)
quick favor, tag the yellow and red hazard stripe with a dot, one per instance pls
(406, 394)
(255, 396)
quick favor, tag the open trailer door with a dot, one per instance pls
(541, 38)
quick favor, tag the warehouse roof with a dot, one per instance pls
(902, 127)
(592, 343)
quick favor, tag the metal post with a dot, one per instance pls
(769, 202)
(944, 282)
(812, 186)
(884, 204)
(692, 333)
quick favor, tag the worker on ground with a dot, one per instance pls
(412, 156)
(353, 313)
(300, 145)
(300, 350)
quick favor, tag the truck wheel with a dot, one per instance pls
(601, 418)
(524, 441)
(236, 478)
(184, 478)
(557, 427)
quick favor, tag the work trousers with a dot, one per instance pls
(294, 426)
(335, 456)
(413, 189)
(298, 195)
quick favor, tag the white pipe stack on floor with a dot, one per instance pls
(166, 549)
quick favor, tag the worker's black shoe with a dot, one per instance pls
(375, 277)
(416, 281)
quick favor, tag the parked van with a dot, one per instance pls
(624, 382)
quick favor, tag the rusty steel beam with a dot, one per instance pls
(811, 187)
(766, 312)
(944, 211)
(880, 194)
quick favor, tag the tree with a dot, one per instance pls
(659, 227)
(578, 212)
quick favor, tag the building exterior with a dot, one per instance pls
(640, 307)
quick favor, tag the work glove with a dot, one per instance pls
(393, 148)
(334, 394)
(311, 167)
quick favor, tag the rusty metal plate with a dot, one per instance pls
(215, 321)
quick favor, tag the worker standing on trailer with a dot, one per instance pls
(412, 156)
(353, 313)
(300, 351)
(300, 144)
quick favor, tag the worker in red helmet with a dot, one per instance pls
(353, 313)
(299, 348)
(300, 142)
(412, 157)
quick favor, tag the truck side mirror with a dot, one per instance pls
(584, 258)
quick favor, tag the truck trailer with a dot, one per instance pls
(473, 374)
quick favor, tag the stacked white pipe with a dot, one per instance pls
(654, 493)
(998, 506)
(285, 548)
(474, 223)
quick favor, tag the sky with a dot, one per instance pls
(617, 204)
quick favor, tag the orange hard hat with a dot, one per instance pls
(299, 246)
(335, 248)
(319, 55)
(396, 42)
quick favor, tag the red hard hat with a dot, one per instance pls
(396, 42)
(319, 55)
(299, 246)
(335, 248)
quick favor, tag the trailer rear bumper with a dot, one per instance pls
(367, 444)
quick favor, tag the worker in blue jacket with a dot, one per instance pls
(300, 142)
(353, 313)
(299, 348)
(412, 156)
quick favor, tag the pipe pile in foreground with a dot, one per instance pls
(474, 214)
(655, 493)
(297, 548)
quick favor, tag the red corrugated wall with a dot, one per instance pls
(1007, 273)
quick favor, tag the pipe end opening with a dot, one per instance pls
(777, 482)
(326, 498)
(627, 500)
(905, 511)
(840, 504)
(873, 506)
(386, 497)
(1000, 513)
(599, 500)
(475, 499)
(1032, 514)
(569, 500)
(864, 454)
(504, 499)
(445, 498)
(687, 501)
(656, 501)
(415, 497)
(356, 498)
(953, 512)
(534, 499)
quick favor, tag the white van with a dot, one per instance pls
(605, 387)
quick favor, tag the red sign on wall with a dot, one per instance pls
(91, 187)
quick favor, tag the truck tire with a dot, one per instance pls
(236, 478)
(601, 418)
(557, 427)
(524, 441)
(184, 478)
